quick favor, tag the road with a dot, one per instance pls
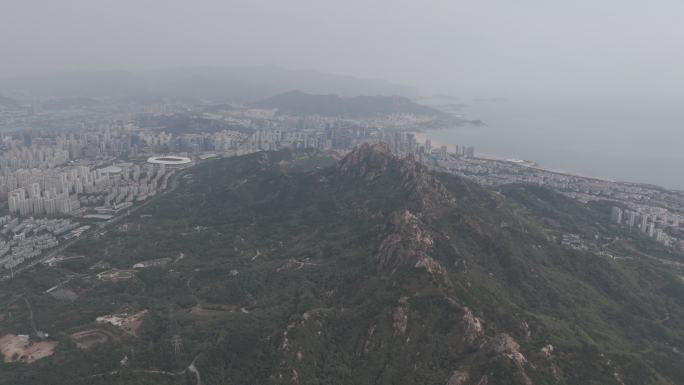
(193, 369)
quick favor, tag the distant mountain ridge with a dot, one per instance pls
(301, 103)
(241, 84)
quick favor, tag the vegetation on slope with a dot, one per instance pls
(291, 268)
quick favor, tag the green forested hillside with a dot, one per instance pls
(290, 268)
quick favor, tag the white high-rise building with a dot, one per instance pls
(644, 223)
(631, 221)
(616, 215)
(34, 191)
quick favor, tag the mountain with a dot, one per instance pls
(294, 268)
(300, 103)
(242, 84)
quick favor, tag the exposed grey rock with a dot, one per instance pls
(458, 378)
(400, 319)
(473, 327)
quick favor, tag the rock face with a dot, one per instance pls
(367, 161)
(458, 378)
(369, 339)
(431, 266)
(406, 244)
(400, 319)
(525, 329)
(472, 327)
(505, 345)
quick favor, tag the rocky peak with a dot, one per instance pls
(367, 160)
(372, 161)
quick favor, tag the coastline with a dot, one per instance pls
(422, 135)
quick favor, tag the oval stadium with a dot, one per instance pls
(169, 160)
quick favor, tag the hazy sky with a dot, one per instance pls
(465, 47)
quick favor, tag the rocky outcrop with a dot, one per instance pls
(426, 191)
(367, 161)
(431, 266)
(505, 345)
(371, 161)
(400, 319)
(368, 343)
(473, 327)
(458, 378)
(525, 329)
(407, 242)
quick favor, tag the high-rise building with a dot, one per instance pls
(631, 221)
(34, 191)
(616, 215)
(469, 152)
(644, 223)
(410, 138)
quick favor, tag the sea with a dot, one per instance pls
(633, 140)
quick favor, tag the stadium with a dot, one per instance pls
(169, 160)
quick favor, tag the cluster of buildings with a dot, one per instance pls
(94, 162)
(51, 178)
(69, 191)
(343, 137)
(657, 212)
(91, 161)
(48, 202)
(651, 225)
(52, 191)
(99, 164)
(129, 183)
(158, 141)
(35, 156)
(56, 179)
(574, 242)
(26, 239)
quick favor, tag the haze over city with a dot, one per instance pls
(469, 48)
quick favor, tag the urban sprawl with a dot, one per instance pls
(68, 172)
